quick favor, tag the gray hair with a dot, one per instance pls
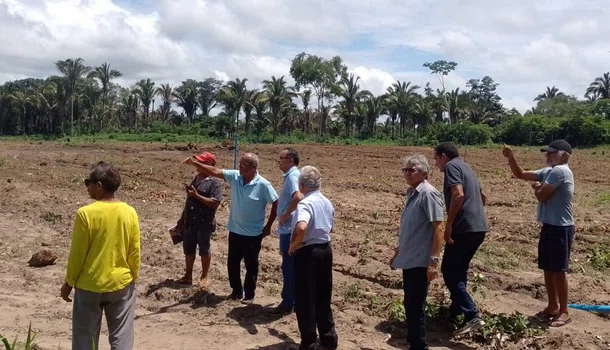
(310, 177)
(419, 162)
(254, 158)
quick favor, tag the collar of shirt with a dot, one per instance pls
(310, 193)
(290, 171)
(417, 189)
(252, 182)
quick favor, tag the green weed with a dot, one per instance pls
(29, 341)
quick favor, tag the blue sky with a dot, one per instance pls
(523, 45)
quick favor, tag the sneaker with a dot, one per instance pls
(280, 310)
(248, 301)
(235, 296)
(470, 326)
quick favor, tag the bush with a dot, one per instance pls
(530, 130)
(584, 131)
(463, 133)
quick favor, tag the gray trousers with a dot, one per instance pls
(119, 308)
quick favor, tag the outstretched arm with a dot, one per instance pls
(516, 169)
(207, 169)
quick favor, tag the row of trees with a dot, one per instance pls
(83, 99)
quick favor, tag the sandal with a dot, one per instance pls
(557, 322)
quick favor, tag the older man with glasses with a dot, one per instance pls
(250, 194)
(419, 245)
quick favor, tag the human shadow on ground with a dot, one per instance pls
(287, 342)
(249, 316)
(193, 295)
(436, 337)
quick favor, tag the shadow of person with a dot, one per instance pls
(195, 296)
(286, 344)
(168, 283)
(251, 315)
(437, 336)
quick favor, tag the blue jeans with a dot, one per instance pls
(287, 272)
(456, 261)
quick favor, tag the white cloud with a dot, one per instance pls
(523, 45)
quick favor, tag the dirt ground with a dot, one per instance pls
(41, 186)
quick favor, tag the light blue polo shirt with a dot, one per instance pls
(557, 209)
(290, 186)
(319, 214)
(248, 202)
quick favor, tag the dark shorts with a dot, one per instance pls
(554, 247)
(192, 238)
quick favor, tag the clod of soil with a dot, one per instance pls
(42, 258)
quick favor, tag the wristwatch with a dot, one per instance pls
(435, 260)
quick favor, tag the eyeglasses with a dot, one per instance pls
(408, 170)
(243, 164)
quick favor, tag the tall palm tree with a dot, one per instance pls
(166, 92)
(279, 97)
(104, 75)
(233, 95)
(600, 87)
(73, 70)
(145, 90)
(400, 96)
(23, 99)
(186, 98)
(349, 90)
(305, 99)
(550, 93)
(374, 107)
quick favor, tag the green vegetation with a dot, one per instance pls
(599, 257)
(29, 341)
(84, 100)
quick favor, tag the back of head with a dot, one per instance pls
(448, 149)
(310, 178)
(107, 175)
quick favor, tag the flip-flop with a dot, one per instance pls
(556, 322)
(183, 282)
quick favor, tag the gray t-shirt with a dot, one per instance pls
(424, 205)
(557, 209)
(471, 217)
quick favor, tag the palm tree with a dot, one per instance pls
(349, 89)
(279, 97)
(73, 71)
(399, 98)
(145, 90)
(305, 99)
(186, 98)
(457, 105)
(104, 75)
(550, 93)
(374, 107)
(166, 92)
(600, 87)
(233, 96)
(23, 99)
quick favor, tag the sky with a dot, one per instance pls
(524, 45)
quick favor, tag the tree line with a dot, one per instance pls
(326, 101)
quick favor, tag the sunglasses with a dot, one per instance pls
(408, 170)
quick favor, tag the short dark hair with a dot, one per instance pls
(107, 175)
(447, 148)
(292, 154)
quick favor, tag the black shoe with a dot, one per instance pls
(280, 310)
(248, 301)
(235, 296)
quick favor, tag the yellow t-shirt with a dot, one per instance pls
(105, 250)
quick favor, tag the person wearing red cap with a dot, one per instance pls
(250, 194)
(198, 220)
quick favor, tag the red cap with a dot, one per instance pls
(206, 157)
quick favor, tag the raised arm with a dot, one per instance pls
(516, 169)
(207, 169)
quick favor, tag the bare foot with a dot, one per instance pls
(184, 280)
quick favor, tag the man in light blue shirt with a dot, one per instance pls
(553, 187)
(287, 204)
(313, 263)
(250, 194)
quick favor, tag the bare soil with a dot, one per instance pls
(41, 186)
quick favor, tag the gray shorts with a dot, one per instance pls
(191, 238)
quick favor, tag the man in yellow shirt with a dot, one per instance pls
(103, 264)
